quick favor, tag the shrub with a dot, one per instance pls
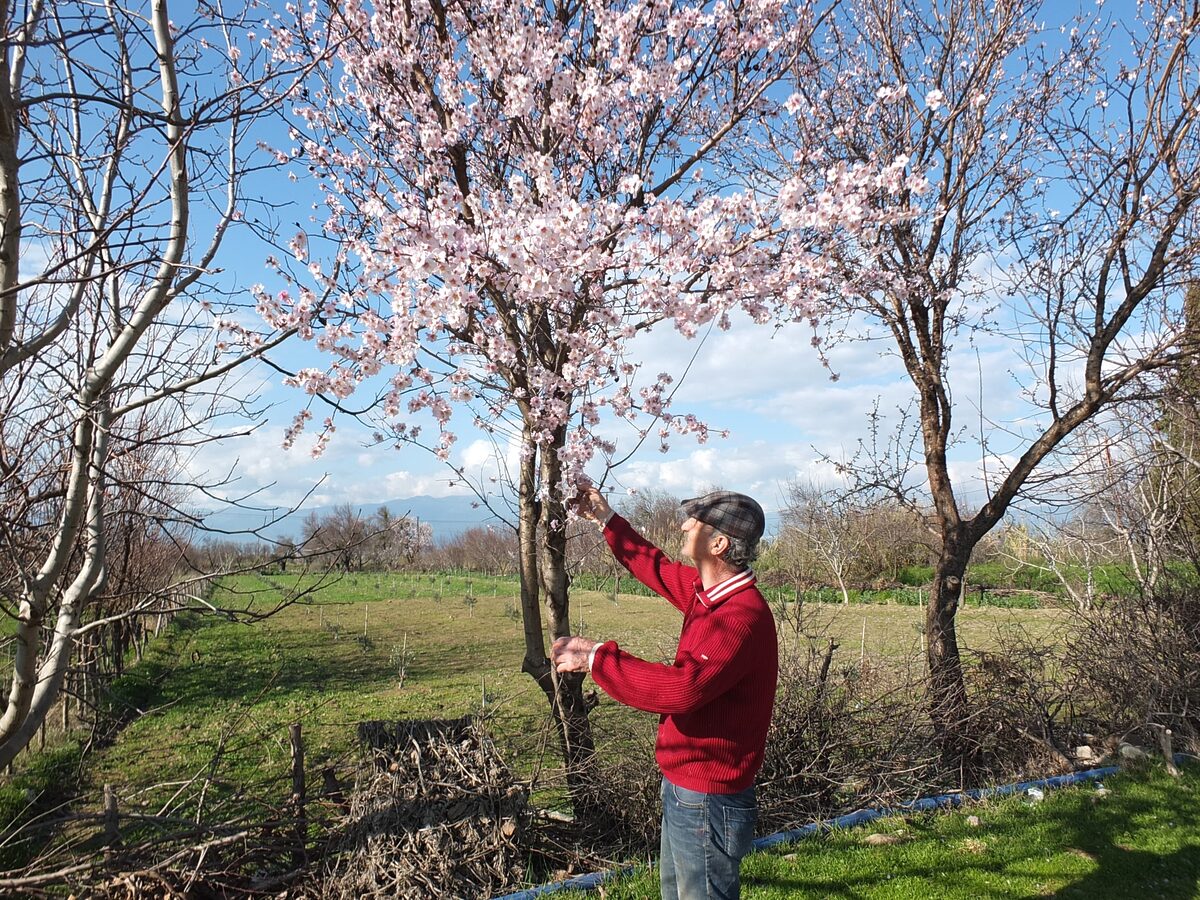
(842, 734)
(1132, 665)
(915, 576)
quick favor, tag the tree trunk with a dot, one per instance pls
(52, 670)
(542, 538)
(579, 750)
(947, 689)
(527, 524)
(35, 597)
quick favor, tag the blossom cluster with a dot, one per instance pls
(513, 191)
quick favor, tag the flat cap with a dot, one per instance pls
(732, 514)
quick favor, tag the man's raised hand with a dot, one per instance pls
(590, 503)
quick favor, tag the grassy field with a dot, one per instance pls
(209, 708)
(216, 697)
(1138, 838)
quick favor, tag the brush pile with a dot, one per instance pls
(434, 813)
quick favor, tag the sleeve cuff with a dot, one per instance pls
(592, 654)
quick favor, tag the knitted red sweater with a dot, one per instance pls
(715, 701)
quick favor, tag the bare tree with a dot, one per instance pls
(828, 531)
(1058, 173)
(1133, 488)
(122, 160)
(484, 548)
(342, 534)
(395, 542)
(1073, 551)
(831, 535)
(657, 515)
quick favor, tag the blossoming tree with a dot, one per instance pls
(1058, 228)
(511, 192)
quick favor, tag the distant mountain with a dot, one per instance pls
(447, 516)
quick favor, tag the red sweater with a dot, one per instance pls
(714, 703)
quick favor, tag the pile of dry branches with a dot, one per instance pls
(1134, 669)
(845, 734)
(434, 813)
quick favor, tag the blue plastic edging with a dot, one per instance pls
(587, 882)
(862, 816)
(593, 880)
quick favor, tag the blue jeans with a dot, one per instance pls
(704, 837)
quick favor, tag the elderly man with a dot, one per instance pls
(714, 702)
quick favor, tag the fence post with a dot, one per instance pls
(112, 834)
(299, 853)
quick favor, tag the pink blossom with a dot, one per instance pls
(299, 246)
(500, 232)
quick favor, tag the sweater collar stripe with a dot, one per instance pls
(726, 588)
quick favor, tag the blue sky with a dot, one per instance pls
(767, 387)
(782, 406)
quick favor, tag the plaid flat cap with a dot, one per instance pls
(735, 515)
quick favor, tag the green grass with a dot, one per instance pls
(45, 780)
(1142, 839)
(217, 697)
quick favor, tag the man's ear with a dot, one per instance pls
(720, 544)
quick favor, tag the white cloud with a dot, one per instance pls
(749, 361)
(758, 469)
(835, 416)
(257, 462)
(770, 388)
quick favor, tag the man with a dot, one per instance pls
(714, 701)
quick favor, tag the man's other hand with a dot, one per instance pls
(570, 654)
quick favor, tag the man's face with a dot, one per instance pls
(695, 539)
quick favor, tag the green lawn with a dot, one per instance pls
(1141, 839)
(217, 696)
(209, 708)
